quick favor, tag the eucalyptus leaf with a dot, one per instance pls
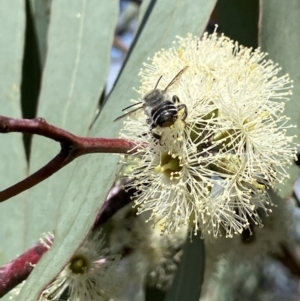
(239, 20)
(188, 281)
(41, 15)
(279, 36)
(31, 74)
(79, 42)
(13, 164)
(73, 79)
(143, 8)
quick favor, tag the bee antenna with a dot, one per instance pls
(135, 104)
(157, 82)
(128, 113)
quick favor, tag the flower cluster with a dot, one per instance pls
(212, 168)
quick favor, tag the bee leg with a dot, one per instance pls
(155, 135)
(185, 110)
(143, 134)
(148, 120)
(175, 99)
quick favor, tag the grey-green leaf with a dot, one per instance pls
(79, 42)
(279, 36)
(143, 8)
(13, 165)
(13, 162)
(73, 79)
(188, 281)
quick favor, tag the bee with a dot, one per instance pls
(161, 109)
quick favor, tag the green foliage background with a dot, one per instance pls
(63, 84)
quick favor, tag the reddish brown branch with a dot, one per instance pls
(116, 199)
(72, 146)
(45, 172)
(17, 270)
(37, 126)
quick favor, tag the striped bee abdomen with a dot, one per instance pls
(165, 114)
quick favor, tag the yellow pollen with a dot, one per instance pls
(79, 264)
(170, 165)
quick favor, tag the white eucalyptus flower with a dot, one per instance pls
(211, 170)
(86, 276)
(148, 257)
(256, 242)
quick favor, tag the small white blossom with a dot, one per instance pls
(255, 243)
(148, 257)
(254, 280)
(213, 169)
(47, 240)
(86, 276)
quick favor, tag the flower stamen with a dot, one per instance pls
(169, 166)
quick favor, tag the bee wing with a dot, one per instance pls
(175, 79)
(128, 113)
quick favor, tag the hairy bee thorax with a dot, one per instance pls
(154, 98)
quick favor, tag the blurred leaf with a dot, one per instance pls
(31, 74)
(13, 163)
(279, 36)
(74, 75)
(143, 8)
(153, 293)
(188, 281)
(41, 16)
(238, 20)
(92, 176)
(79, 43)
